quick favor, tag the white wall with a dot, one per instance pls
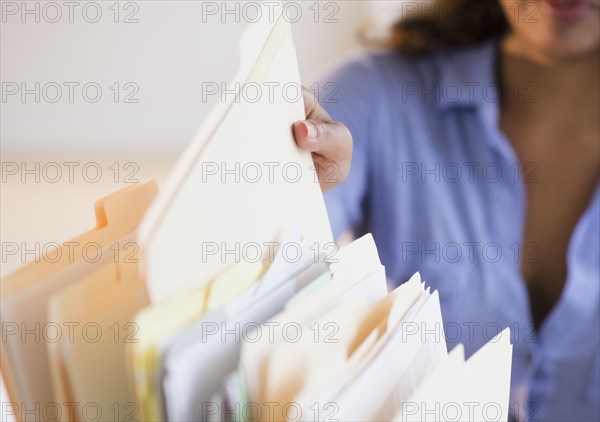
(168, 54)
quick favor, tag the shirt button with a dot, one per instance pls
(528, 357)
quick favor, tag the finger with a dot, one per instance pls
(305, 133)
(331, 140)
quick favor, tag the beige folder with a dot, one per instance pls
(242, 183)
(92, 369)
(25, 293)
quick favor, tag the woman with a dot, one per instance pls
(475, 160)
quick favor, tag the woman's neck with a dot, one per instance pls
(536, 84)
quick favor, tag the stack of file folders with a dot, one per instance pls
(225, 298)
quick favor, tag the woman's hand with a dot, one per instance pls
(330, 143)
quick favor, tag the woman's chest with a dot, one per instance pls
(563, 165)
(469, 208)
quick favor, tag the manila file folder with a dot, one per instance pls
(242, 181)
(26, 292)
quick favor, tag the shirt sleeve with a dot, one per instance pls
(348, 96)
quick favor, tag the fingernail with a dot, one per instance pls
(311, 130)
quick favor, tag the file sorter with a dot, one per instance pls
(210, 332)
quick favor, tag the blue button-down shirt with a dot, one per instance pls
(440, 187)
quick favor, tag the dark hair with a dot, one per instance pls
(449, 24)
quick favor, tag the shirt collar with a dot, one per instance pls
(468, 78)
(473, 71)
